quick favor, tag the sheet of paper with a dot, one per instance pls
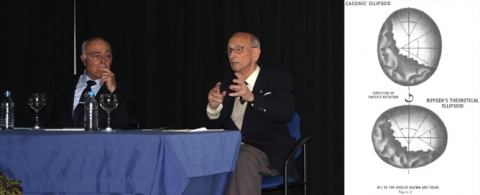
(201, 129)
(66, 129)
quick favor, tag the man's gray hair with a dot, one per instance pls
(254, 41)
(83, 48)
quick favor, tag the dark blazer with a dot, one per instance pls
(264, 124)
(59, 109)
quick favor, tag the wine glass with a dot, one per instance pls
(37, 101)
(108, 102)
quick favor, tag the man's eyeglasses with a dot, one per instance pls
(237, 50)
(97, 56)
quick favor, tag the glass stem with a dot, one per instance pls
(108, 121)
(36, 119)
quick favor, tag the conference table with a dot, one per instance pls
(122, 162)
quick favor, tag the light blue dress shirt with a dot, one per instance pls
(81, 85)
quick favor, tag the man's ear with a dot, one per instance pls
(83, 58)
(256, 53)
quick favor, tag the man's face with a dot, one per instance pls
(248, 56)
(97, 55)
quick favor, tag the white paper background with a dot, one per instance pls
(457, 171)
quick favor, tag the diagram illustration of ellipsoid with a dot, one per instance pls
(409, 136)
(409, 47)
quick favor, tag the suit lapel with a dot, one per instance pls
(257, 90)
(71, 85)
(260, 82)
(103, 90)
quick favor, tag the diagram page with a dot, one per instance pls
(412, 89)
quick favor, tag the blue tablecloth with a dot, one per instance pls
(123, 162)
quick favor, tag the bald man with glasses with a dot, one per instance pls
(259, 102)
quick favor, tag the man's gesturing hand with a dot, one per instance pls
(215, 97)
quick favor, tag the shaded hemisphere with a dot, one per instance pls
(391, 151)
(406, 70)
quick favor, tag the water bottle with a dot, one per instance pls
(90, 117)
(7, 113)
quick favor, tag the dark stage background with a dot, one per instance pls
(170, 53)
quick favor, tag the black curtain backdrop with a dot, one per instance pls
(170, 53)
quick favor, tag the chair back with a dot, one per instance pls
(294, 128)
(277, 182)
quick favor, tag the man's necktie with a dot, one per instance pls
(241, 101)
(78, 113)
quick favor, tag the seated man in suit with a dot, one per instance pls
(259, 102)
(62, 108)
